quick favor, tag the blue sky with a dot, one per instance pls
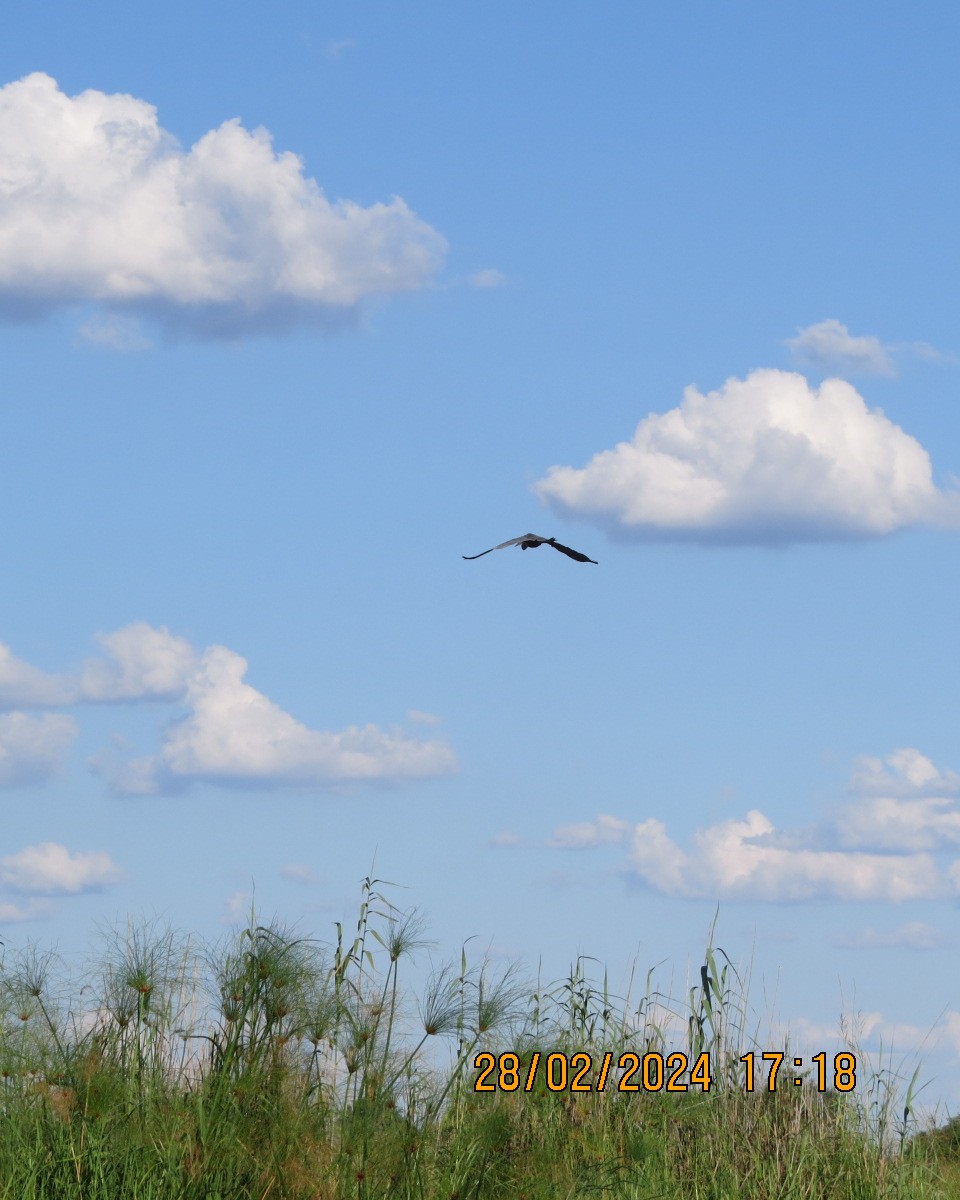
(296, 309)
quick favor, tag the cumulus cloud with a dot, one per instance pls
(740, 858)
(99, 204)
(830, 346)
(903, 802)
(231, 733)
(905, 772)
(865, 853)
(33, 749)
(893, 823)
(235, 734)
(764, 460)
(140, 662)
(25, 686)
(49, 868)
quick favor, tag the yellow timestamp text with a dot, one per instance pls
(655, 1072)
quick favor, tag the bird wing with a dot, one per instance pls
(526, 537)
(572, 553)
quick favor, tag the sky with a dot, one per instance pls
(298, 309)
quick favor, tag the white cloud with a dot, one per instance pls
(767, 459)
(804, 1034)
(913, 935)
(930, 353)
(419, 717)
(49, 868)
(876, 848)
(905, 772)
(236, 909)
(234, 734)
(902, 802)
(34, 909)
(830, 346)
(873, 1031)
(141, 663)
(586, 834)
(99, 204)
(890, 823)
(24, 686)
(740, 859)
(33, 749)
(505, 839)
(489, 277)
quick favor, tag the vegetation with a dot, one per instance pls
(272, 1066)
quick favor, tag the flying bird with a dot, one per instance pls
(530, 541)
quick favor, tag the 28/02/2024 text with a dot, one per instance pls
(654, 1072)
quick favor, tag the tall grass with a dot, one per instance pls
(274, 1066)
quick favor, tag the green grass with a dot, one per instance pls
(272, 1066)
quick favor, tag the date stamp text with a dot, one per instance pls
(655, 1072)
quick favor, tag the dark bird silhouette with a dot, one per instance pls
(530, 541)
